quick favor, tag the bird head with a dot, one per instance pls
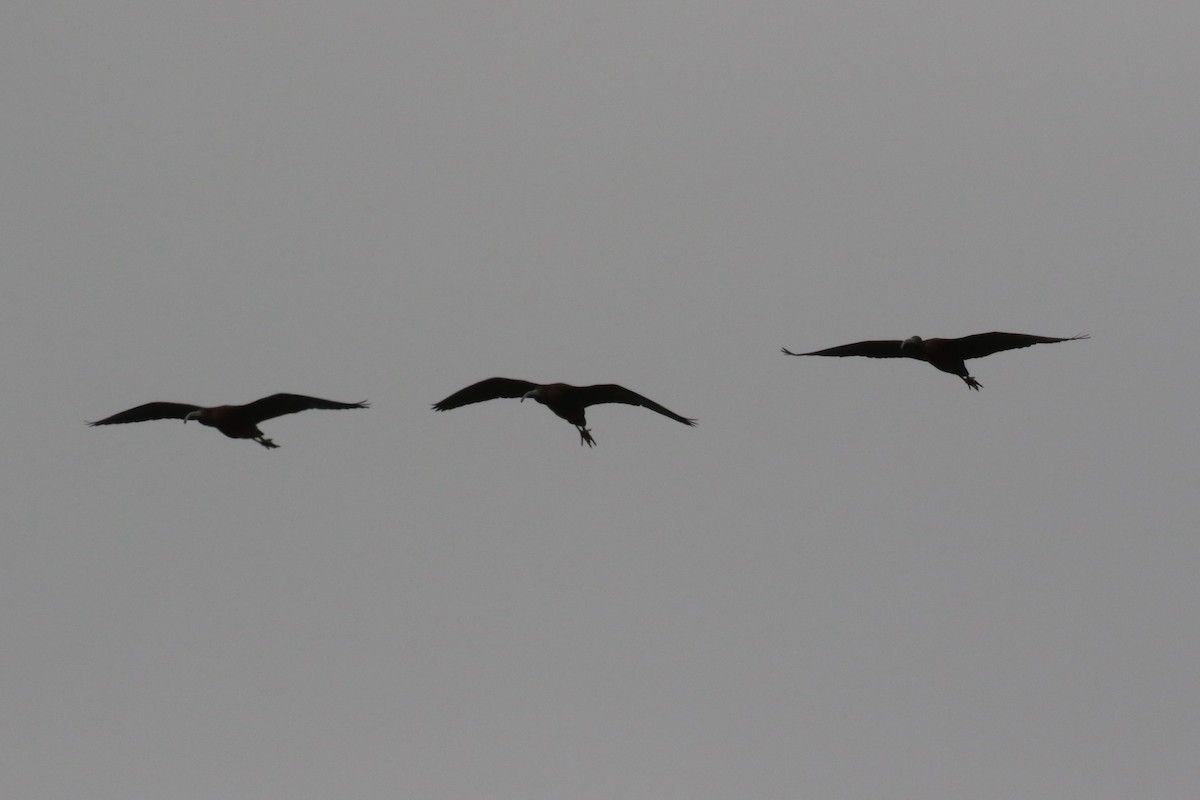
(914, 341)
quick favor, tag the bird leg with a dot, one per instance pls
(585, 437)
(971, 382)
(265, 442)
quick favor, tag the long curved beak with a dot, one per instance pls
(530, 393)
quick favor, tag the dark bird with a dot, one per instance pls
(947, 355)
(566, 401)
(236, 422)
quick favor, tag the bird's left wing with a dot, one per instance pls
(148, 412)
(279, 404)
(612, 393)
(879, 348)
(984, 344)
(490, 389)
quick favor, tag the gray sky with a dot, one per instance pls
(854, 579)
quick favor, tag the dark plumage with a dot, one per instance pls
(947, 355)
(566, 401)
(236, 422)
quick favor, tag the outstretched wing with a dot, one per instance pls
(148, 412)
(984, 344)
(279, 404)
(880, 348)
(490, 389)
(612, 393)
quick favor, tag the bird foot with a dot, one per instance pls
(972, 383)
(585, 437)
(265, 442)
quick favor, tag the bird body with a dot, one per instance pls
(236, 422)
(947, 355)
(566, 401)
(559, 398)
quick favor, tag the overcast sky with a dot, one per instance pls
(854, 578)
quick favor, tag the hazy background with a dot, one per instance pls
(854, 579)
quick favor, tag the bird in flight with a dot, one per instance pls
(236, 422)
(564, 400)
(947, 355)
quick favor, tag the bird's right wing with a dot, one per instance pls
(148, 412)
(984, 344)
(279, 404)
(490, 389)
(612, 393)
(882, 348)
